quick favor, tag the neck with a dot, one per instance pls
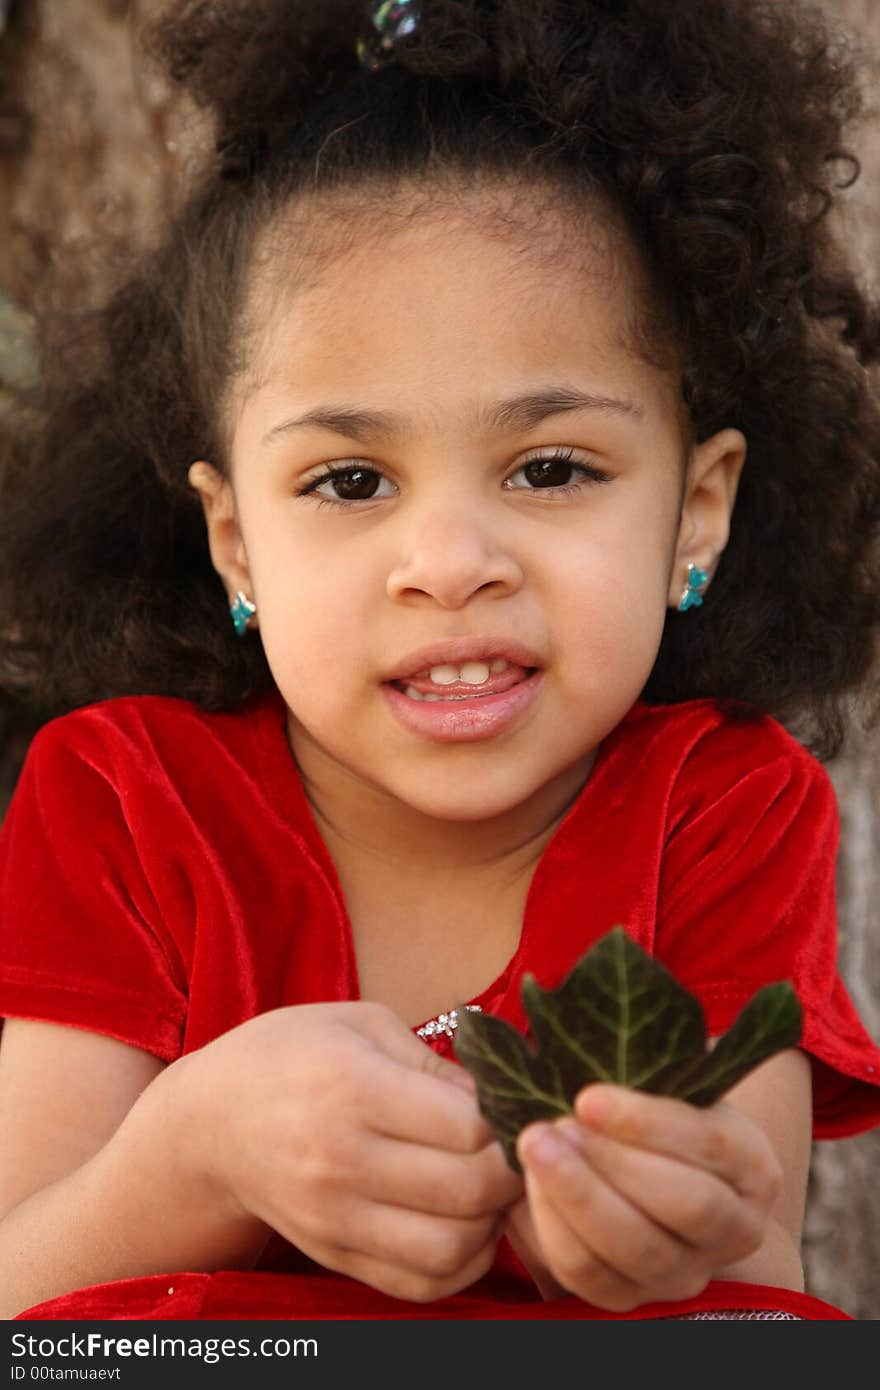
(358, 819)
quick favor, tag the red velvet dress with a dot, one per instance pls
(163, 880)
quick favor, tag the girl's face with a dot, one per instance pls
(488, 462)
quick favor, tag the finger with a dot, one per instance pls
(400, 1282)
(400, 1043)
(695, 1206)
(575, 1268)
(414, 1094)
(420, 1107)
(520, 1231)
(432, 1247)
(437, 1181)
(572, 1262)
(452, 1072)
(588, 1221)
(718, 1138)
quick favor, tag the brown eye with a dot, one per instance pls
(347, 484)
(356, 484)
(553, 474)
(549, 472)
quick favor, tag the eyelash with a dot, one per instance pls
(589, 476)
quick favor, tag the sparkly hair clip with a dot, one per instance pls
(392, 20)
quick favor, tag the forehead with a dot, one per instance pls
(444, 286)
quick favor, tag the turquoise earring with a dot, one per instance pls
(242, 609)
(696, 580)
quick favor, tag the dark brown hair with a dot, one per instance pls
(714, 130)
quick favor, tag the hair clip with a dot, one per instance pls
(392, 20)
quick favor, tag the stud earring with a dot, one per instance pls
(242, 609)
(691, 596)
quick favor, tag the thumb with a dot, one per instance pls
(400, 1043)
(450, 1071)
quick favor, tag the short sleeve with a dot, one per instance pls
(80, 938)
(748, 898)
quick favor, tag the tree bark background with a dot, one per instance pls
(93, 151)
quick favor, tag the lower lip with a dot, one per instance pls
(462, 721)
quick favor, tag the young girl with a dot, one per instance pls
(504, 363)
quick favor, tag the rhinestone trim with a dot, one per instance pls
(445, 1023)
(739, 1315)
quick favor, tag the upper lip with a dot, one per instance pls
(456, 650)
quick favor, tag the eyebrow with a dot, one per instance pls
(521, 412)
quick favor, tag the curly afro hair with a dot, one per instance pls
(714, 130)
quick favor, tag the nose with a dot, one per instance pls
(450, 556)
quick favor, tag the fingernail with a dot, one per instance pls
(543, 1145)
(573, 1133)
(594, 1106)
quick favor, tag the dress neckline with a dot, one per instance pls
(282, 774)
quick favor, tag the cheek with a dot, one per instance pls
(609, 598)
(611, 569)
(317, 636)
(312, 625)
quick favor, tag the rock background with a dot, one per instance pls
(92, 142)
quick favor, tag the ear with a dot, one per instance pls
(224, 536)
(711, 483)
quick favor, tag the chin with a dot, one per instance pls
(462, 804)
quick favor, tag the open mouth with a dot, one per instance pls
(423, 688)
(443, 705)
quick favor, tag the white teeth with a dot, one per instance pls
(444, 675)
(472, 672)
(475, 672)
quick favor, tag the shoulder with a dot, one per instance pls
(702, 752)
(114, 736)
(694, 726)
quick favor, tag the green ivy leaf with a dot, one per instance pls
(619, 1016)
(769, 1022)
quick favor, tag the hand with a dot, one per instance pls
(641, 1198)
(339, 1129)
